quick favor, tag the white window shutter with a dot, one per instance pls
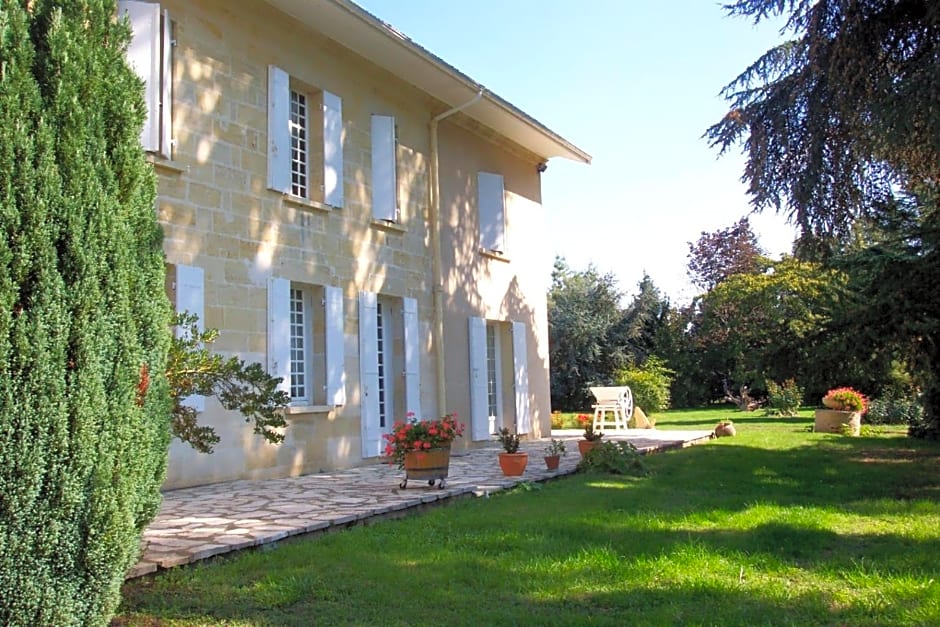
(480, 427)
(520, 369)
(332, 149)
(335, 362)
(369, 375)
(143, 54)
(384, 176)
(166, 90)
(278, 129)
(190, 297)
(491, 203)
(412, 357)
(279, 331)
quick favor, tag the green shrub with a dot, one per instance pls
(895, 409)
(613, 458)
(783, 399)
(649, 383)
(84, 317)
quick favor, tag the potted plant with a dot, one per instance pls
(422, 447)
(553, 453)
(843, 413)
(511, 461)
(591, 437)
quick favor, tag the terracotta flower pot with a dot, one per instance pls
(586, 445)
(551, 461)
(513, 464)
(832, 421)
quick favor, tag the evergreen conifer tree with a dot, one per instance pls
(84, 317)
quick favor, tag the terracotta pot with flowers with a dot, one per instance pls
(843, 413)
(422, 447)
(553, 453)
(591, 437)
(512, 462)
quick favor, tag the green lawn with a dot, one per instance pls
(776, 526)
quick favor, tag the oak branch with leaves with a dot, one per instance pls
(239, 386)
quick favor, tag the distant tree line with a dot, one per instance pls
(840, 125)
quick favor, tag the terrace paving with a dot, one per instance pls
(198, 523)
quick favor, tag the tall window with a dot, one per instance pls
(492, 370)
(299, 153)
(305, 140)
(382, 354)
(299, 346)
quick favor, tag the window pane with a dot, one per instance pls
(298, 346)
(299, 154)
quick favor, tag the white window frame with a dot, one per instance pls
(328, 380)
(150, 53)
(494, 379)
(380, 330)
(299, 143)
(382, 347)
(329, 155)
(302, 375)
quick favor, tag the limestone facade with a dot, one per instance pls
(238, 248)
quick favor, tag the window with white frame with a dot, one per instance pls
(305, 342)
(305, 140)
(301, 353)
(382, 355)
(299, 153)
(493, 388)
(389, 356)
(491, 206)
(149, 54)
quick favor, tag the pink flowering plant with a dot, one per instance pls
(420, 435)
(845, 399)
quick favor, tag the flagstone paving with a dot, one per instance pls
(197, 523)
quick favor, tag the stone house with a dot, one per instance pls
(353, 212)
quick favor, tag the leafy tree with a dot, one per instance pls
(840, 124)
(84, 405)
(774, 326)
(585, 327)
(716, 256)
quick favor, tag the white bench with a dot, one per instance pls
(614, 407)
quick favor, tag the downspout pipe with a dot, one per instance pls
(434, 225)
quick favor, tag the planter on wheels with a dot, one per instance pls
(513, 464)
(430, 465)
(832, 421)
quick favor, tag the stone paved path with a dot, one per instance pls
(198, 523)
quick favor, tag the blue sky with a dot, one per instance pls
(635, 84)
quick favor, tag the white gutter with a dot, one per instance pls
(437, 273)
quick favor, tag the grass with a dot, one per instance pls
(777, 526)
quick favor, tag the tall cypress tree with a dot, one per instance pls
(83, 315)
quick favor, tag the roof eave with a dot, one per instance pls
(358, 30)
